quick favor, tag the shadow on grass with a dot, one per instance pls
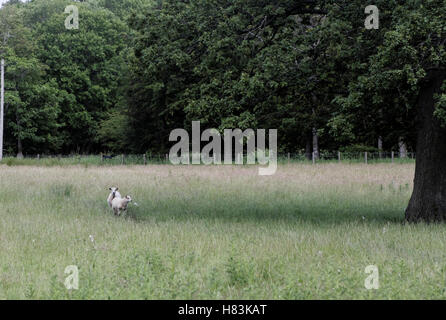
(285, 212)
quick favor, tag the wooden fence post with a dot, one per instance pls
(122, 159)
(38, 156)
(145, 159)
(365, 156)
(314, 159)
(288, 157)
(339, 156)
(393, 156)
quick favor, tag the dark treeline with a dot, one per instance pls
(136, 69)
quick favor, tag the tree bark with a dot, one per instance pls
(309, 146)
(19, 140)
(19, 148)
(428, 201)
(402, 148)
(380, 146)
(315, 144)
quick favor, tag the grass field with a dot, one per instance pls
(218, 232)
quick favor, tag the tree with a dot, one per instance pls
(85, 70)
(31, 105)
(225, 63)
(87, 64)
(404, 80)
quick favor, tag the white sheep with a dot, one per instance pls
(113, 194)
(120, 204)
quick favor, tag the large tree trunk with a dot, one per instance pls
(428, 201)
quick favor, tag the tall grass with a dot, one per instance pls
(218, 232)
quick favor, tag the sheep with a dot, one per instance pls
(113, 194)
(120, 204)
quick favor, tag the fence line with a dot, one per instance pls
(145, 159)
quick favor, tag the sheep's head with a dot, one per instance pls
(129, 199)
(113, 190)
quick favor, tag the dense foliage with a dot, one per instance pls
(136, 69)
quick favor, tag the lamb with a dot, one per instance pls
(113, 194)
(120, 204)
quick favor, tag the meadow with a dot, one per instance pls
(216, 232)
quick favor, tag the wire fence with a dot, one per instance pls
(147, 159)
(337, 156)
